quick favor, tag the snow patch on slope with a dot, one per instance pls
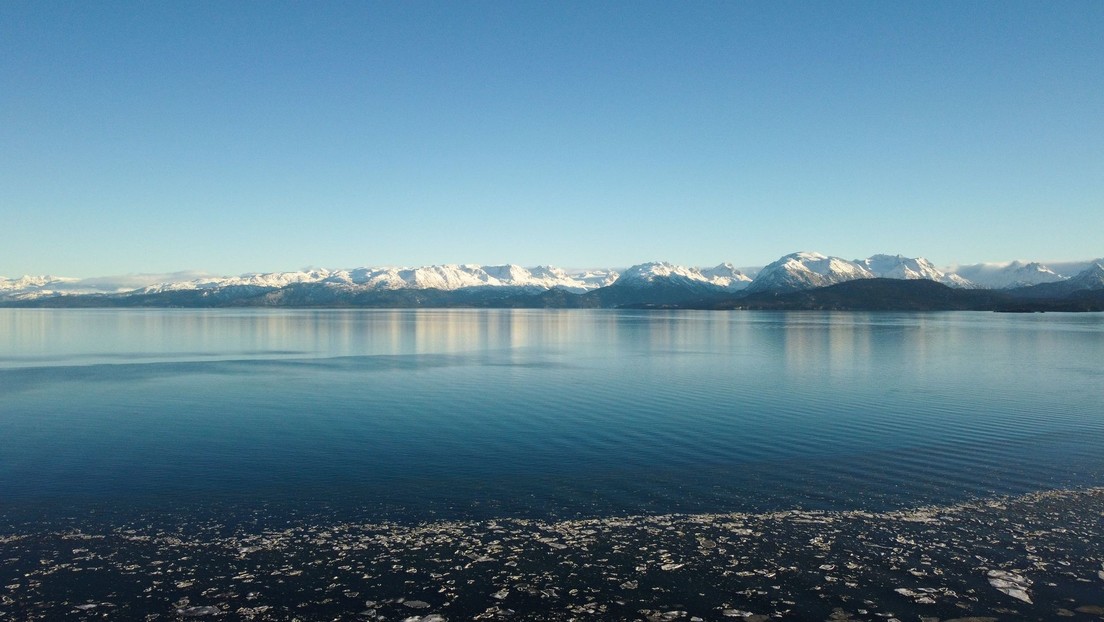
(1008, 275)
(806, 270)
(35, 286)
(724, 276)
(443, 277)
(1089, 278)
(901, 267)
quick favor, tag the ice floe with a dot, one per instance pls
(1037, 556)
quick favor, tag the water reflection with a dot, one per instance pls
(618, 409)
(791, 347)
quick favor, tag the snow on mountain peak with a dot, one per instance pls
(1089, 278)
(444, 277)
(1008, 275)
(805, 270)
(800, 270)
(546, 272)
(806, 256)
(652, 270)
(506, 273)
(901, 267)
(28, 286)
(724, 276)
(28, 281)
(727, 276)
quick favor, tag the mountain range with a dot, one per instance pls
(797, 280)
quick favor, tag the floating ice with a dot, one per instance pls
(196, 612)
(1015, 585)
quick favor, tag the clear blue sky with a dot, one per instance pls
(258, 136)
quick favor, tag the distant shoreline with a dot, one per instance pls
(858, 295)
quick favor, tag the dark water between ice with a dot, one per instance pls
(474, 414)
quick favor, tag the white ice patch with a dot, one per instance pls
(1015, 585)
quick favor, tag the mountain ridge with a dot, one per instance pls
(651, 283)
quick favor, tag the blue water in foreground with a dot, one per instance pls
(478, 413)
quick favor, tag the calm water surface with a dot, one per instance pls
(473, 413)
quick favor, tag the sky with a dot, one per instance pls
(232, 137)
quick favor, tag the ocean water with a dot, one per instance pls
(416, 415)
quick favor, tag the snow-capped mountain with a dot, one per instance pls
(30, 287)
(1008, 275)
(806, 270)
(1072, 268)
(1090, 278)
(727, 276)
(670, 282)
(33, 282)
(900, 267)
(33, 286)
(444, 277)
(724, 276)
(273, 280)
(447, 277)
